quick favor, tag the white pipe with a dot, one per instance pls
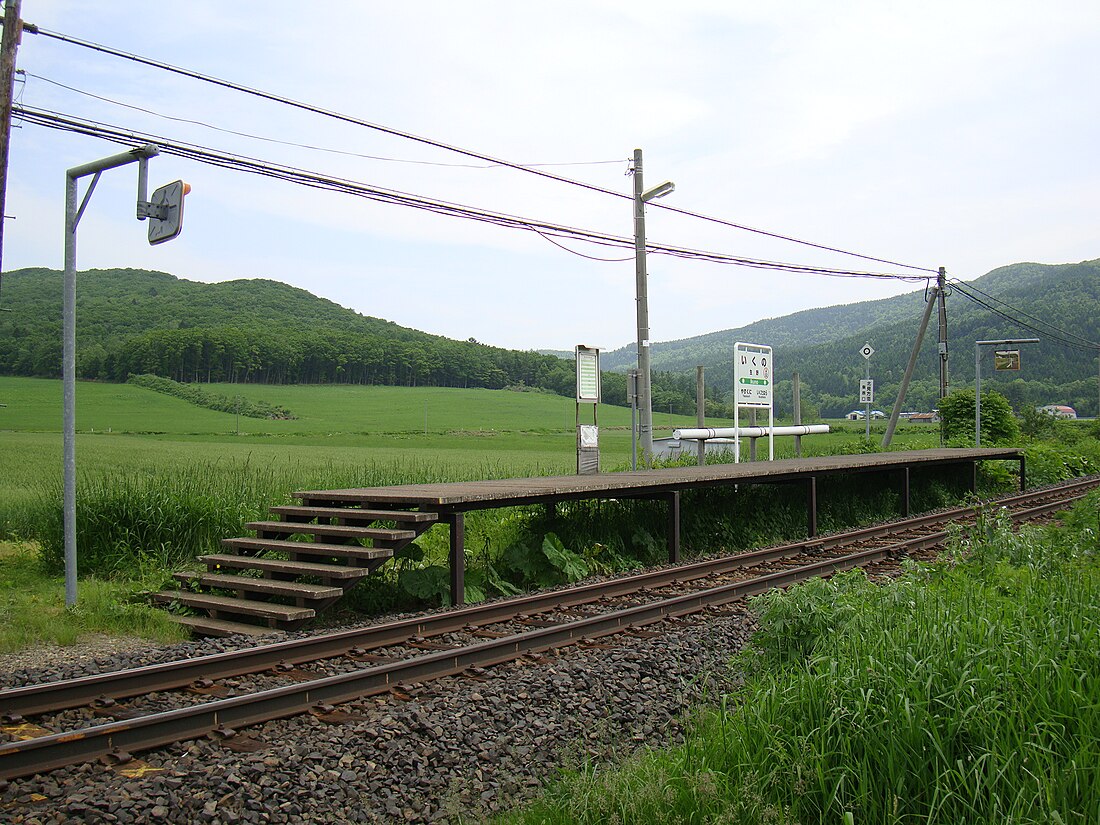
(749, 432)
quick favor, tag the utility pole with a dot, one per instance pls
(900, 400)
(13, 30)
(941, 294)
(645, 387)
(641, 297)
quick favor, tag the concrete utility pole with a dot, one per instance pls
(941, 294)
(896, 412)
(13, 30)
(645, 387)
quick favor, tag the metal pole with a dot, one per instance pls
(797, 419)
(867, 406)
(645, 407)
(977, 394)
(68, 392)
(701, 411)
(978, 378)
(909, 370)
(68, 357)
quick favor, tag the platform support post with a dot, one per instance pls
(457, 524)
(811, 507)
(1023, 473)
(972, 477)
(905, 492)
(674, 528)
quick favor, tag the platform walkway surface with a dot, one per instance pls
(451, 500)
(473, 495)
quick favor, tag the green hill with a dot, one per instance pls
(257, 331)
(264, 332)
(822, 344)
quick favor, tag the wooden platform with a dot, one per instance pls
(450, 500)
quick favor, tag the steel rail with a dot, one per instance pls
(57, 750)
(68, 693)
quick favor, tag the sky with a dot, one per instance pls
(961, 134)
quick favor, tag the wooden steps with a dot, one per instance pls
(325, 572)
(354, 514)
(292, 568)
(251, 584)
(268, 611)
(310, 548)
(381, 538)
(209, 626)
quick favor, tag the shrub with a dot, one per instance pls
(999, 425)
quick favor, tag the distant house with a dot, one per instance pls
(925, 418)
(855, 415)
(1059, 411)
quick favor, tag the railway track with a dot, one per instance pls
(219, 694)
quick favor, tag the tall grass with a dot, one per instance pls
(128, 521)
(965, 692)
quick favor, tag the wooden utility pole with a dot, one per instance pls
(13, 29)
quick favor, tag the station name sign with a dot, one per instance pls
(752, 375)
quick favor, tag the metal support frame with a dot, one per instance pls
(456, 523)
(453, 518)
(811, 506)
(1004, 342)
(73, 214)
(673, 499)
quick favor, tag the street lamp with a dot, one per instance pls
(645, 387)
(978, 378)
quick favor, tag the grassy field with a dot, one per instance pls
(161, 480)
(967, 691)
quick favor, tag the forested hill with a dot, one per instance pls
(823, 344)
(134, 322)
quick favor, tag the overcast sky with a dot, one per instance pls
(962, 134)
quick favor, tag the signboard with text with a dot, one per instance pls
(752, 375)
(867, 391)
(588, 375)
(753, 371)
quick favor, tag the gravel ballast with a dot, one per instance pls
(457, 748)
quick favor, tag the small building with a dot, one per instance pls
(855, 415)
(1059, 411)
(925, 418)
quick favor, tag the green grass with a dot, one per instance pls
(32, 606)
(965, 692)
(161, 480)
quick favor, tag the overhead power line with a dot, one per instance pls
(295, 144)
(308, 107)
(1049, 332)
(202, 154)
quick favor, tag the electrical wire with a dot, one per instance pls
(313, 147)
(1059, 336)
(276, 98)
(1057, 330)
(317, 180)
(308, 107)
